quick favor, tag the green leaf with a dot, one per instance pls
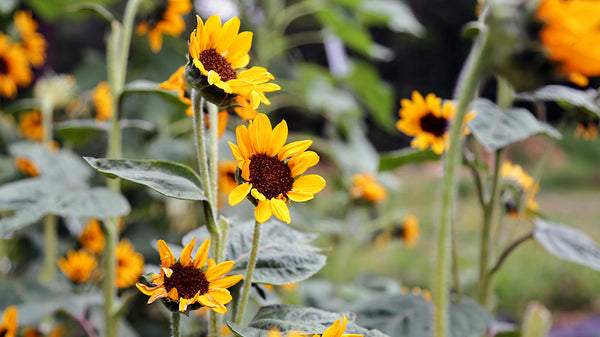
(167, 178)
(495, 128)
(62, 165)
(31, 313)
(565, 95)
(27, 192)
(285, 255)
(410, 316)
(567, 243)
(80, 131)
(398, 16)
(304, 319)
(97, 202)
(377, 95)
(145, 86)
(357, 154)
(392, 160)
(347, 28)
(50, 10)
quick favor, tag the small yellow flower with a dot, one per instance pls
(9, 326)
(588, 131)
(30, 125)
(571, 35)
(272, 170)
(92, 237)
(185, 282)
(26, 166)
(33, 42)
(217, 51)
(410, 231)
(79, 265)
(130, 265)
(523, 182)
(428, 121)
(365, 186)
(166, 20)
(14, 68)
(102, 99)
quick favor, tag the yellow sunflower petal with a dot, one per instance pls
(202, 254)
(260, 133)
(225, 282)
(227, 34)
(300, 163)
(173, 294)
(263, 211)
(278, 138)
(219, 270)
(183, 303)
(220, 295)
(241, 61)
(294, 148)
(235, 150)
(239, 48)
(310, 183)
(280, 210)
(299, 196)
(186, 254)
(243, 139)
(213, 77)
(239, 193)
(166, 256)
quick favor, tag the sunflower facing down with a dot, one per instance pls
(176, 82)
(165, 20)
(9, 326)
(523, 185)
(428, 121)
(185, 282)
(14, 67)
(588, 131)
(272, 170)
(218, 51)
(30, 125)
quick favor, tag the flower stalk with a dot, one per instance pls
(466, 90)
(48, 272)
(249, 272)
(176, 323)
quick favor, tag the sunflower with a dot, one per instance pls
(79, 265)
(26, 166)
(227, 182)
(571, 35)
(428, 121)
(217, 51)
(523, 185)
(588, 130)
(365, 186)
(30, 125)
(165, 20)
(410, 231)
(102, 99)
(33, 42)
(8, 326)
(184, 283)
(92, 237)
(271, 170)
(130, 265)
(176, 82)
(14, 68)
(337, 329)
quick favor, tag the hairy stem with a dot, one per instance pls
(248, 279)
(175, 324)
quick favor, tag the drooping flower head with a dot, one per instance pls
(165, 19)
(14, 67)
(520, 185)
(78, 265)
(185, 282)
(588, 131)
(92, 237)
(9, 324)
(130, 265)
(217, 52)
(27, 166)
(409, 232)
(176, 82)
(102, 99)
(34, 43)
(271, 170)
(365, 186)
(428, 121)
(30, 125)
(571, 35)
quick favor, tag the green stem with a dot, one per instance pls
(507, 251)
(248, 279)
(466, 90)
(484, 252)
(213, 117)
(175, 324)
(455, 273)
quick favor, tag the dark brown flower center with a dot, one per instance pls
(434, 125)
(187, 280)
(3, 70)
(3, 332)
(211, 60)
(270, 176)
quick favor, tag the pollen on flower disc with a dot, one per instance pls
(270, 176)
(187, 280)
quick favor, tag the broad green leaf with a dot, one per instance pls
(357, 154)
(398, 16)
(377, 95)
(347, 28)
(168, 178)
(21, 218)
(145, 86)
(567, 243)
(27, 192)
(409, 315)
(80, 131)
(97, 202)
(563, 95)
(50, 10)
(285, 255)
(392, 160)
(31, 313)
(61, 165)
(307, 320)
(495, 128)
